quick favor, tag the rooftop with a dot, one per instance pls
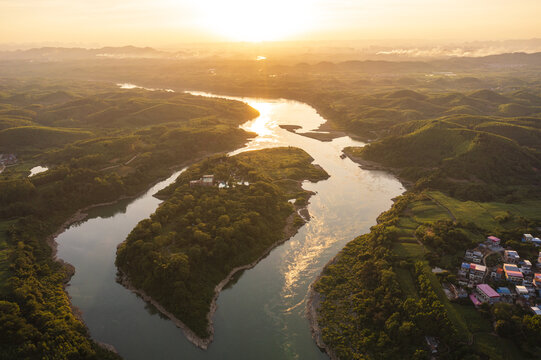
(521, 289)
(478, 267)
(512, 270)
(490, 292)
(536, 310)
(474, 300)
(512, 253)
(504, 291)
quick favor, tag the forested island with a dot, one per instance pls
(220, 216)
(101, 144)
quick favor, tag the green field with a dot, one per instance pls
(409, 250)
(407, 283)
(428, 211)
(485, 214)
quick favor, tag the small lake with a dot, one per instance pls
(37, 169)
(262, 315)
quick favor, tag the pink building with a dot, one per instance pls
(485, 294)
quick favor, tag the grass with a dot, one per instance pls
(407, 283)
(407, 222)
(496, 348)
(427, 211)
(453, 313)
(484, 214)
(409, 250)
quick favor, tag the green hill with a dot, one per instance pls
(19, 138)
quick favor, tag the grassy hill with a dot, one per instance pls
(38, 137)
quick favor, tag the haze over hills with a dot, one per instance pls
(288, 51)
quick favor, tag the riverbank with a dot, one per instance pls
(291, 228)
(315, 298)
(375, 166)
(81, 214)
(312, 306)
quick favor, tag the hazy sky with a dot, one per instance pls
(166, 22)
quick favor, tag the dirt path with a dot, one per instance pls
(440, 204)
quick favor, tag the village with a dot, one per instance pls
(7, 160)
(209, 181)
(510, 279)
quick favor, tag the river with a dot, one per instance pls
(262, 315)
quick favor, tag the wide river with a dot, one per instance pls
(262, 315)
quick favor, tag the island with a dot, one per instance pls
(221, 216)
(100, 144)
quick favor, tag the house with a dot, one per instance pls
(461, 293)
(8, 159)
(473, 256)
(496, 274)
(526, 267)
(493, 241)
(535, 310)
(505, 295)
(474, 300)
(485, 294)
(536, 241)
(513, 273)
(527, 237)
(207, 180)
(511, 256)
(522, 291)
(537, 280)
(464, 270)
(477, 273)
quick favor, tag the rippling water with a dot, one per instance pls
(262, 315)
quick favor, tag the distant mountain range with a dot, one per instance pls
(310, 62)
(61, 53)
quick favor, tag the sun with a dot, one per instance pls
(255, 20)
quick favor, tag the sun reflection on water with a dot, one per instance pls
(263, 125)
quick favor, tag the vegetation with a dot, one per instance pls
(474, 172)
(201, 233)
(88, 163)
(379, 274)
(472, 153)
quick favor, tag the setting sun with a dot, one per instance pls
(247, 20)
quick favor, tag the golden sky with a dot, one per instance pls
(167, 22)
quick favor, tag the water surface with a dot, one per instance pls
(262, 315)
(37, 169)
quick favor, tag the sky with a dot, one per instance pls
(166, 22)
